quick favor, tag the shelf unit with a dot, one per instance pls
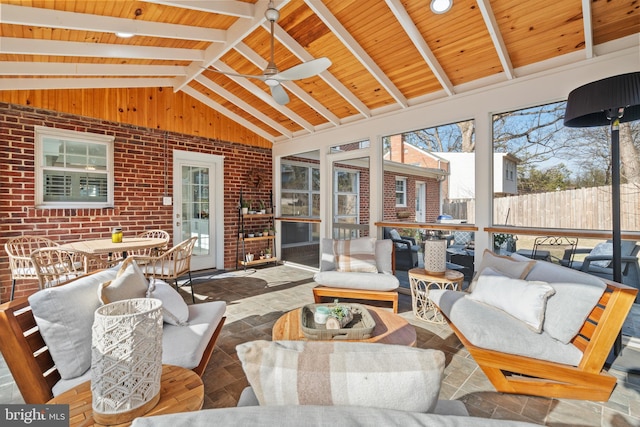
(258, 222)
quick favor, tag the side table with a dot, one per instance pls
(181, 390)
(421, 282)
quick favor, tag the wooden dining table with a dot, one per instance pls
(106, 246)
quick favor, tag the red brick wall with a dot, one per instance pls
(433, 198)
(139, 183)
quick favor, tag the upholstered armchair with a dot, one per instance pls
(406, 249)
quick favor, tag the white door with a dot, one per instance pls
(198, 192)
(421, 202)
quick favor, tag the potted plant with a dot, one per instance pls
(250, 206)
(267, 253)
(262, 209)
(271, 232)
(265, 232)
(244, 204)
(268, 210)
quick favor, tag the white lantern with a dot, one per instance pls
(435, 256)
(126, 359)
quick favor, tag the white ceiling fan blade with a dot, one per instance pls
(279, 94)
(247, 76)
(304, 70)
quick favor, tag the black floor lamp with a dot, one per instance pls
(613, 100)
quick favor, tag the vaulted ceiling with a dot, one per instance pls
(386, 55)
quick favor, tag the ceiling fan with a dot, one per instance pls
(272, 76)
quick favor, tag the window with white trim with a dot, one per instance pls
(73, 169)
(401, 192)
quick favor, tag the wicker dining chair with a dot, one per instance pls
(55, 265)
(171, 265)
(155, 234)
(19, 250)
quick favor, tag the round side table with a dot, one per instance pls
(421, 282)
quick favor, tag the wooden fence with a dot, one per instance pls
(584, 208)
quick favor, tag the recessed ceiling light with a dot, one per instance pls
(124, 35)
(441, 6)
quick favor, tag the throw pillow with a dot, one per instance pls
(393, 233)
(64, 315)
(343, 373)
(129, 283)
(355, 255)
(526, 301)
(569, 307)
(174, 310)
(503, 264)
(602, 249)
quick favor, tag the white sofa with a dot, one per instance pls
(335, 384)
(550, 323)
(64, 316)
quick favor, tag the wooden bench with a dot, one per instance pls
(511, 373)
(28, 358)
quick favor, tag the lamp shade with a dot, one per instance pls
(587, 105)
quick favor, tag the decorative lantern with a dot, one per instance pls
(126, 359)
(435, 254)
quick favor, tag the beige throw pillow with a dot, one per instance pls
(343, 373)
(504, 265)
(355, 255)
(129, 283)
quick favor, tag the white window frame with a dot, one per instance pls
(40, 134)
(404, 193)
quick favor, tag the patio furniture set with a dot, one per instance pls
(563, 359)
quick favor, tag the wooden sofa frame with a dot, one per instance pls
(28, 357)
(363, 294)
(511, 373)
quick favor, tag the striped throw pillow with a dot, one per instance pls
(355, 255)
(343, 373)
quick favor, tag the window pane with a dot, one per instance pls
(295, 204)
(347, 204)
(315, 179)
(347, 182)
(74, 187)
(294, 177)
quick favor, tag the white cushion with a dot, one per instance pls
(129, 283)
(184, 345)
(174, 310)
(343, 373)
(365, 281)
(526, 301)
(355, 255)
(383, 251)
(604, 248)
(64, 315)
(505, 265)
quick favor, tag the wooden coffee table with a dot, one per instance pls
(181, 390)
(390, 328)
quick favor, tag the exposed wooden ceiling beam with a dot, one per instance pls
(74, 69)
(242, 104)
(220, 109)
(354, 47)
(227, 7)
(82, 83)
(496, 37)
(288, 41)
(50, 18)
(587, 23)
(418, 41)
(261, 63)
(95, 50)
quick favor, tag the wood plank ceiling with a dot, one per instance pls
(386, 55)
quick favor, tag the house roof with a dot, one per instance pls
(386, 56)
